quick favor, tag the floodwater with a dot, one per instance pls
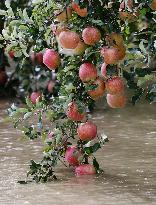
(128, 160)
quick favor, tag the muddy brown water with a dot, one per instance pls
(128, 160)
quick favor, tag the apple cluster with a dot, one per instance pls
(73, 43)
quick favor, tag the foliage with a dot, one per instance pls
(25, 75)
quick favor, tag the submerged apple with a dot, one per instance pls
(85, 169)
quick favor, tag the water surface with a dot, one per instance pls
(128, 160)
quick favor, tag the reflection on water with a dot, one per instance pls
(128, 160)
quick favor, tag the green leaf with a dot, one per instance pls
(7, 4)
(90, 87)
(27, 115)
(29, 103)
(141, 72)
(92, 149)
(96, 146)
(153, 90)
(98, 22)
(2, 12)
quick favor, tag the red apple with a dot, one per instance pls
(91, 35)
(51, 59)
(153, 5)
(104, 70)
(116, 41)
(87, 131)
(115, 85)
(35, 97)
(73, 112)
(37, 57)
(11, 54)
(69, 39)
(110, 55)
(85, 169)
(99, 90)
(121, 52)
(131, 17)
(72, 156)
(80, 11)
(50, 86)
(3, 78)
(87, 72)
(116, 101)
